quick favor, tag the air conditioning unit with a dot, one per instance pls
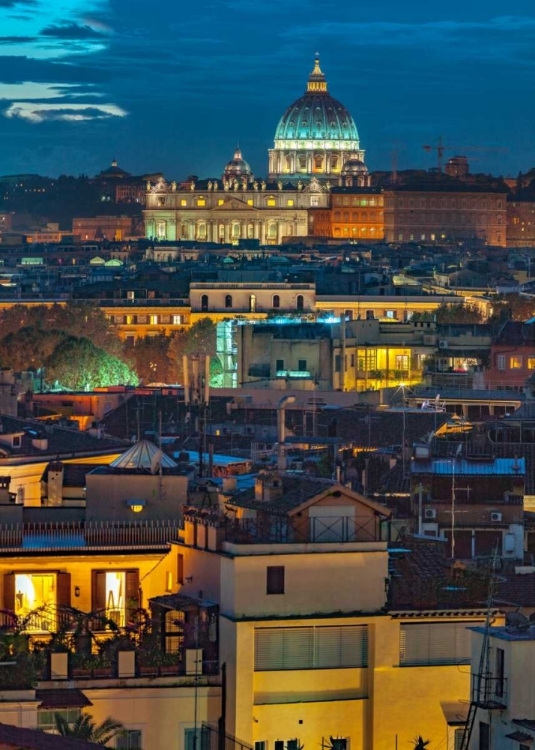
(430, 513)
(495, 516)
(442, 344)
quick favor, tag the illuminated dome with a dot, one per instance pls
(354, 166)
(316, 135)
(237, 166)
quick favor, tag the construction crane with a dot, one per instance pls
(440, 148)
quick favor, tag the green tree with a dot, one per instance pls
(199, 339)
(73, 319)
(452, 313)
(514, 306)
(29, 348)
(78, 364)
(149, 358)
(85, 728)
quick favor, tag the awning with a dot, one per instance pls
(62, 698)
(455, 713)
(519, 737)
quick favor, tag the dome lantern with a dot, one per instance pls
(316, 80)
(315, 136)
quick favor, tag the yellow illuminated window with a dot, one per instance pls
(34, 590)
(220, 202)
(183, 202)
(250, 202)
(201, 202)
(531, 363)
(271, 202)
(290, 202)
(516, 362)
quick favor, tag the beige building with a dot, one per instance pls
(313, 657)
(435, 212)
(231, 210)
(230, 298)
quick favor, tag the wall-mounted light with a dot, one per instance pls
(77, 591)
(136, 505)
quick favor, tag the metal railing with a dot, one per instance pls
(92, 535)
(270, 529)
(211, 740)
(489, 691)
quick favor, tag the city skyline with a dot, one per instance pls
(176, 89)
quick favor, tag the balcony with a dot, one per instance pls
(32, 538)
(489, 692)
(273, 529)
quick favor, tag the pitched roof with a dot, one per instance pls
(298, 492)
(144, 455)
(35, 739)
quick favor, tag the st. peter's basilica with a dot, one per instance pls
(316, 148)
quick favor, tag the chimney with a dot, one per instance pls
(268, 488)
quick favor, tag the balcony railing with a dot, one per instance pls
(93, 535)
(476, 498)
(270, 529)
(489, 691)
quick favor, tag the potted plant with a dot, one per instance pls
(102, 666)
(80, 666)
(149, 661)
(170, 664)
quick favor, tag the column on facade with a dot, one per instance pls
(328, 162)
(309, 162)
(256, 229)
(227, 232)
(263, 233)
(244, 229)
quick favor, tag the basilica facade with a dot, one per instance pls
(316, 148)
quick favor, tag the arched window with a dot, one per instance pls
(276, 301)
(300, 303)
(160, 230)
(204, 303)
(228, 300)
(235, 230)
(201, 231)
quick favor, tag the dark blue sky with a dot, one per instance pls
(174, 85)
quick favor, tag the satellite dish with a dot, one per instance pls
(517, 621)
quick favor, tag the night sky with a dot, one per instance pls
(174, 86)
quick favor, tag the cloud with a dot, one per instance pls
(488, 39)
(49, 112)
(16, 39)
(72, 31)
(13, 3)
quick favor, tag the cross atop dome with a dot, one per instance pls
(316, 80)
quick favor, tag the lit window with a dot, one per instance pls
(531, 363)
(183, 202)
(290, 202)
(154, 320)
(35, 591)
(516, 363)
(220, 201)
(271, 201)
(250, 202)
(201, 202)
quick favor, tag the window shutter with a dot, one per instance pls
(63, 597)
(9, 591)
(275, 579)
(341, 646)
(131, 591)
(268, 649)
(311, 647)
(435, 643)
(180, 569)
(98, 590)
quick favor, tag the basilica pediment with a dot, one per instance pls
(234, 204)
